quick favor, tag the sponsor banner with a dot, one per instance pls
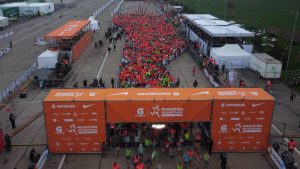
(75, 127)
(158, 111)
(241, 125)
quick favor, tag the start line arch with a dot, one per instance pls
(76, 118)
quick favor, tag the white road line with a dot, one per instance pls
(100, 70)
(137, 6)
(61, 162)
(46, 20)
(285, 139)
(125, 8)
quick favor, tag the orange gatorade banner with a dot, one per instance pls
(158, 111)
(241, 117)
(81, 45)
(75, 127)
(241, 125)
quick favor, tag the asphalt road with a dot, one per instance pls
(24, 52)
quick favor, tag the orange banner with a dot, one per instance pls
(81, 45)
(241, 125)
(158, 111)
(75, 127)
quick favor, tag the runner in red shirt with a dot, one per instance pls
(291, 146)
(116, 165)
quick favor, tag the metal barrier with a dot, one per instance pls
(18, 82)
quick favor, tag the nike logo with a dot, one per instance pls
(123, 93)
(200, 93)
(255, 105)
(87, 106)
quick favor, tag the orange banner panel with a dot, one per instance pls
(158, 111)
(75, 127)
(81, 45)
(241, 125)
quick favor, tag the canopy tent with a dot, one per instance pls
(68, 30)
(210, 22)
(192, 17)
(227, 31)
(3, 21)
(47, 59)
(232, 55)
(94, 25)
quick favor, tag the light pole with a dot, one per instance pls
(290, 50)
(225, 9)
(198, 6)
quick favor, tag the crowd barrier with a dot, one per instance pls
(99, 10)
(18, 82)
(210, 78)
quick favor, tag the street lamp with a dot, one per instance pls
(290, 50)
(225, 9)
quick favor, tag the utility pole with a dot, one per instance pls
(225, 10)
(198, 7)
(291, 44)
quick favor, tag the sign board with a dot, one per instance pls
(75, 126)
(241, 125)
(158, 111)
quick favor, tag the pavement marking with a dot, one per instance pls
(125, 8)
(61, 162)
(100, 70)
(137, 6)
(53, 23)
(46, 21)
(285, 139)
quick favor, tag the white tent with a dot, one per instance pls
(47, 59)
(232, 55)
(43, 8)
(94, 25)
(3, 21)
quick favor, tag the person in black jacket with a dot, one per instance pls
(223, 157)
(12, 119)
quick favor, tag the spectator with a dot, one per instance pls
(7, 143)
(195, 84)
(223, 68)
(12, 119)
(112, 80)
(223, 157)
(292, 96)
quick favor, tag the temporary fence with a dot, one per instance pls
(18, 82)
(102, 8)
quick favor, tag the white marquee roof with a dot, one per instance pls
(206, 22)
(227, 31)
(192, 17)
